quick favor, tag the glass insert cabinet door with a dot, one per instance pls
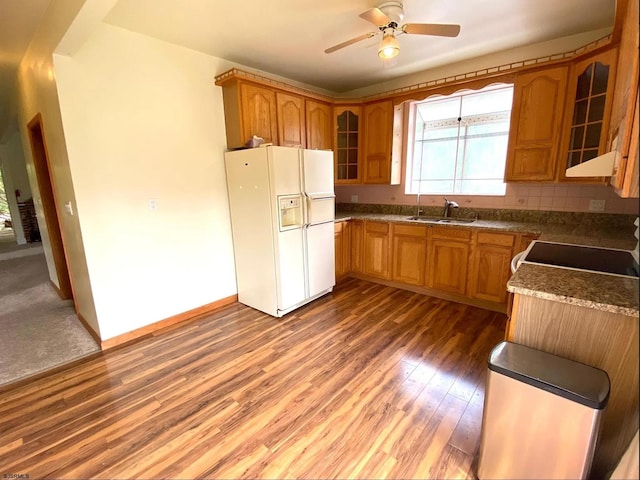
(347, 144)
(587, 136)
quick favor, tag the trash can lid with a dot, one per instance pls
(571, 380)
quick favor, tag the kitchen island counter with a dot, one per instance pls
(608, 293)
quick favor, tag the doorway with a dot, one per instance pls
(50, 209)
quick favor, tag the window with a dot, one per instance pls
(459, 143)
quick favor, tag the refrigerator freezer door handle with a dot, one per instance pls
(305, 210)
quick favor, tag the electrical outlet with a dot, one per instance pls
(354, 198)
(153, 204)
(597, 205)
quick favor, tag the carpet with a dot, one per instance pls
(38, 330)
(10, 249)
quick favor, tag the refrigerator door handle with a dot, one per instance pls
(320, 209)
(320, 196)
(305, 209)
(320, 223)
(305, 255)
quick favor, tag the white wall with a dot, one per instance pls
(143, 120)
(37, 94)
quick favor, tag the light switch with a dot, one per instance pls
(69, 208)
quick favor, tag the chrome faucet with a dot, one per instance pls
(447, 207)
(419, 211)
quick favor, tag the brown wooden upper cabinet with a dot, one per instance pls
(347, 143)
(319, 121)
(536, 125)
(291, 120)
(249, 110)
(588, 110)
(377, 142)
(279, 116)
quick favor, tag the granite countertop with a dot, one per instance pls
(608, 293)
(563, 233)
(482, 224)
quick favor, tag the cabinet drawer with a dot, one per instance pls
(377, 227)
(450, 233)
(501, 239)
(410, 230)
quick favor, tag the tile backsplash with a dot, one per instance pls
(519, 196)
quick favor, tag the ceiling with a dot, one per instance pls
(288, 37)
(19, 20)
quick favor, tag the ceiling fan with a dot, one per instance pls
(387, 18)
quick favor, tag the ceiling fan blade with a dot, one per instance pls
(437, 29)
(350, 42)
(375, 16)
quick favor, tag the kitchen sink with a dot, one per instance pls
(442, 220)
(456, 220)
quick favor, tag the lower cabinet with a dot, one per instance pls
(465, 264)
(522, 242)
(408, 253)
(376, 249)
(357, 246)
(342, 237)
(448, 257)
(525, 241)
(491, 266)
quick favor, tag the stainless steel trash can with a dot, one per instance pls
(541, 415)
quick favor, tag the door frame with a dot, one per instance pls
(50, 207)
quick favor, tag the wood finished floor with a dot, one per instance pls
(367, 382)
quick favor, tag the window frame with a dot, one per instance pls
(410, 137)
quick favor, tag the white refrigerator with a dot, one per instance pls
(282, 207)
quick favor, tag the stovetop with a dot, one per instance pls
(578, 257)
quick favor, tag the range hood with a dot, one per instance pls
(601, 166)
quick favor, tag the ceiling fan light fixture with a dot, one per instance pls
(389, 46)
(387, 18)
